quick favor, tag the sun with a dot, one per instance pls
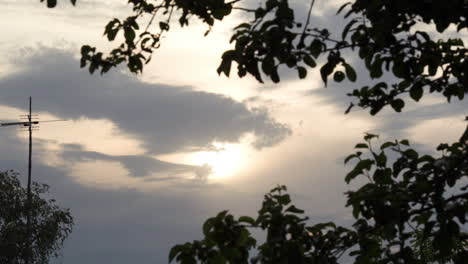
(226, 161)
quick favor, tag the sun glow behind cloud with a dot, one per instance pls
(225, 161)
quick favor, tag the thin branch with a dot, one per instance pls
(233, 2)
(151, 21)
(308, 16)
(244, 9)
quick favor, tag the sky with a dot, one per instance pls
(142, 161)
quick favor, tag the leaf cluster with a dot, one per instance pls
(289, 238)
(139, 43)
(414, 194)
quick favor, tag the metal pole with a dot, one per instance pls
(28, 255)
(28, 218)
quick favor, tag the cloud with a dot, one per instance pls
(140, 166)
(166, 118)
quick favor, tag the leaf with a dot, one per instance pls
(247, 219)
(134, 64)
(259, 12)
(220, 13)
(208, 225)
(226, 62)
(243, 25)
(315, 48)
(112, 28)
(411, 153)
(350, 157)
(364, 165)
(132, 22)
(387, 145)
(399, 69)
(342, 7)
(51, 3)
(350, 72)
(416, 92)
(163, 26)
(381, 159)
(376, 108)
(424, 35)
(434, 62)
(326, 70)
(291, 61)
(361, 145)
(175, 251)
(397, 105)
(82, 62)
(284, 199)
(376, 68)
(294, 209)
(347, 28)
(221, 214)
(268, 64)
(73, 2)
(129, 34)
(243, 238)
(302, 72)
(274, 75)
(404, 142)
(309, 61)
(358, 169)
(339, 76)
(369, 136)
(252, 68)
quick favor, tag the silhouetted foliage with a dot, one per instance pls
(411, 210)
(424, 249)
(385, 34)
(50, 224)
(288, 237)
(412, 203)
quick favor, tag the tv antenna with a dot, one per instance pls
(31, 123)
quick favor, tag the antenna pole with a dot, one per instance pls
(28, 219)
(28, 254)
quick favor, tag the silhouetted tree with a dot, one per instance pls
(50, 224)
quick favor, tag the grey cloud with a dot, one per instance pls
(138, 166)
(167, 118)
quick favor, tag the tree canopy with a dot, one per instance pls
(386, 35)
(50, 224)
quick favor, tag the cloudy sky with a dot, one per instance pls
(143, 160)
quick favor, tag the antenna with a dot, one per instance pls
(30, 125)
